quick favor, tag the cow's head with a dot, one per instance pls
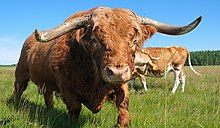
(111, 35)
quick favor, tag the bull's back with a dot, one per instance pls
(34, 62)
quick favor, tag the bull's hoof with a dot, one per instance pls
(95, 111)
(120, 126)
(17, 98)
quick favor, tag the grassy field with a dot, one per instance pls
(198, 106)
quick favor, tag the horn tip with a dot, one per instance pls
(200, 18)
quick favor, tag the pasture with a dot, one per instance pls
(198, 106)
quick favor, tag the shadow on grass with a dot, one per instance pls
(4, 121)
(51, 118)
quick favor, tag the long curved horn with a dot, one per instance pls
(168, 29)
(62, 29)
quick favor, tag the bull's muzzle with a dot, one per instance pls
(114, 74)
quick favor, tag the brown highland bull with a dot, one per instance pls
(88, 57)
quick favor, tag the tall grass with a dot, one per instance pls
(198, 106)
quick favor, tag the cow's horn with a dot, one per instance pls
(62, 29)
(168, 29)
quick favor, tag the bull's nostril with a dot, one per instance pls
(109, 72)
(126, 70)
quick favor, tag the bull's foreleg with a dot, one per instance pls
(48, 98)
(73, 104)
(122, 103)
(71, 100)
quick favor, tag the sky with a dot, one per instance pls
(20, 18)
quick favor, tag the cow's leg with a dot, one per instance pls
(48, 98)
(176, 80)
(122, 103)
(182, 80)
(132, 83)
(143, 81)
(21, 81)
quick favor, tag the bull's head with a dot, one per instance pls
(111, 35)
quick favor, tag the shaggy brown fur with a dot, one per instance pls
(73, 63)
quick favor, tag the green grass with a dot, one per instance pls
(198, 106)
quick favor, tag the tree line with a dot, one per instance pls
(204, 58)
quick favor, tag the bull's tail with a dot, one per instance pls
(190, 65)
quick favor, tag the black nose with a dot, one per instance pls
(109, 72)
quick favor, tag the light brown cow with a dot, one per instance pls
(156, 62)
(88, 58)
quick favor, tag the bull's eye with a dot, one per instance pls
(96, 44)
(135, 41)
(134, 45)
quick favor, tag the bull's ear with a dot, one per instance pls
(148, 31)
(87, 33)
